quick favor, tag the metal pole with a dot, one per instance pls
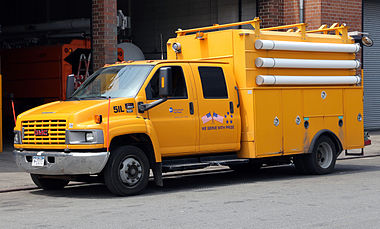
(301, 12)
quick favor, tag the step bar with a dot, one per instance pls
(172, 165)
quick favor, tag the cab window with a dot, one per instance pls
(213, 82)
(179, 90)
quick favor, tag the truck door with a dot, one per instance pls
(174, 120)
(219, 117)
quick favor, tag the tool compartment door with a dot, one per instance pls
(353, 113)
(268, 122)
(219, 118)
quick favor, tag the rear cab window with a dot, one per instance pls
(213, 82)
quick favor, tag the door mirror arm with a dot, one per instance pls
(144, 107)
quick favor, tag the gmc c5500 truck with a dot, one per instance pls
(237, 97)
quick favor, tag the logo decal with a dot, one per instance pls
(217, 121)
(171, 109)
(41, 132)
(129, 106)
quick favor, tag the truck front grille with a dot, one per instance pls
(44, 132)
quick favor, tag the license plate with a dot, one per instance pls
(38, 161)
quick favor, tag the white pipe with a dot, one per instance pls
(305, 63)
(306, 46)
(306, 80)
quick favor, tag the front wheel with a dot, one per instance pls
(127, 171)
(49, 183)
(322, 159)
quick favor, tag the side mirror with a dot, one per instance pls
(70, 85)
(165, 80)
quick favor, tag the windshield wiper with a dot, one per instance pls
(96, 96)
(73, 98)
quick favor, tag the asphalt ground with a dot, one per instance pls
(13, 179)
(276, 197)
(217, 197)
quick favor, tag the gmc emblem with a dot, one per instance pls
(41, 132)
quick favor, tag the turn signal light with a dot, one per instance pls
(98, 119)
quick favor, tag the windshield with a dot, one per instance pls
(117, 81)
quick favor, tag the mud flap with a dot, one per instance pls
(157, 173)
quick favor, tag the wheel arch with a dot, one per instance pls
(140, 140)
(331, 135)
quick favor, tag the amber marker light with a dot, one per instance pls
(98, 119)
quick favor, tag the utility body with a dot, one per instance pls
(236, 97)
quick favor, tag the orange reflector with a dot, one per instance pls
(98, 119)
(162, 82)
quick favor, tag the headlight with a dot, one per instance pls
(85, 137)
(17, 137)
(90, 137)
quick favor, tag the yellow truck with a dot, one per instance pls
(243, 98)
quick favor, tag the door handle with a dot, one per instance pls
(231, 107)
(191, 108)
(238, 96)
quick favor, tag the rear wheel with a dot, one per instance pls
(323, 157)
(127, 171)
(49, 183)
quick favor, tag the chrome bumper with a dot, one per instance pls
(61, 163)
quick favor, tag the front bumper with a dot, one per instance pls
(61, 163)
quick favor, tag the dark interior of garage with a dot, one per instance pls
(42, 42)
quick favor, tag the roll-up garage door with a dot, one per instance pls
(371, 65)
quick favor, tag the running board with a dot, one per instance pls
(172, 165)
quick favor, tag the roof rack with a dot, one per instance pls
(255, 24)
(301, 28)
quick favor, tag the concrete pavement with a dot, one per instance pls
(13, 179)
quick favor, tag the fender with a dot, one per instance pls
(153, 137)
(141, 126)
(329, 133)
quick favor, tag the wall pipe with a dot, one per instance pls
(72, 25)
(301, 11)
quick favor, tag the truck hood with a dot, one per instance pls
(81, 111)
(64, 107)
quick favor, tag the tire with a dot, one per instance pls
(127, 171)
(251, 166)
(49, 183)
(323, 157)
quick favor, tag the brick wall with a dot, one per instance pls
(343, 11)
(271, 12)
(104, 32)
(291, 12)
(312, 13)
(316, 12)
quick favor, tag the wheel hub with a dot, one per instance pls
(130, 171)
(324, 155)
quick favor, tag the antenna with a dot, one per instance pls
(162, 49)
